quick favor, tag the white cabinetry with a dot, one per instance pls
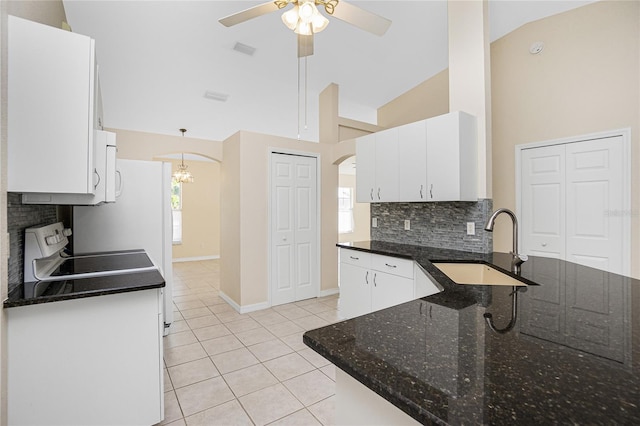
(429, 160)
(377, 157)
(90, 361)
(52, 93)
(412, 158)
(452, 157)
(370, 282)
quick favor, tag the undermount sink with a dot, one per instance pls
(476, 274)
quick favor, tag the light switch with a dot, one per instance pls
(407, 224)
(471, 228)
(374, 222)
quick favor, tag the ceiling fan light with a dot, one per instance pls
(307, 11)
(319, 22)
(303, 28)
(290, 18)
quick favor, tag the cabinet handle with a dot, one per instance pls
(374, 279)
(98, 182)
(421, 196)
(371, 194)
(391, 266)
(354, 258)
(430, 309)
(544, 244)
(366, 277)
(431, 191)
(378, 193)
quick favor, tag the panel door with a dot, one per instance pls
(543, 201)
(390, 290)
(294, 253)
(305, 229)
(595, 203)
(355, 290)
(365, 168)
(412, 158)
(386, 166)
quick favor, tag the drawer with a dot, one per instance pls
(392, 265)
(355, 257)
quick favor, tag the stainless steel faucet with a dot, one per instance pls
(517, 259)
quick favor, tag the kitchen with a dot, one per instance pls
(618, 92)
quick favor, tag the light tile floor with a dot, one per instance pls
(224, 368)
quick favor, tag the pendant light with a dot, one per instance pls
(182, 175)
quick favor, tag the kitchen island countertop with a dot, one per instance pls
(572, 357)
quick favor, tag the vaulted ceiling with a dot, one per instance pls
(158, 58)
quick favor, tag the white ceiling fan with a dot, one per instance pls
(305, 19)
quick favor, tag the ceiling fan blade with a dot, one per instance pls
(361, 18)
(305, 45)
(252, 12)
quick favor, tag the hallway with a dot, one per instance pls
(224, 368)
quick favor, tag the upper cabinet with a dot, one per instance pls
(377, 162)
(429, 160)
(52, 109)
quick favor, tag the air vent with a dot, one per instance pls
(244, 48)
(222, 97)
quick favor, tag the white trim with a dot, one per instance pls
(329, 292)
(195, 259)
(275, 150)
(625, 133)
(246, 308)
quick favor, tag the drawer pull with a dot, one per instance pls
(354, 258)
(391, 266)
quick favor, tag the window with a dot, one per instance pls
(176, 211)
(345, 210)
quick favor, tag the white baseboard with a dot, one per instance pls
(329, 292)
(195, 259)
(243, 309)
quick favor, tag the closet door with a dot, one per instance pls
(294, 253)
(595, 203)
(573, 203)
(543, 201)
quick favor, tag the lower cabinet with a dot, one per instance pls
(370, 282)
(90, 361)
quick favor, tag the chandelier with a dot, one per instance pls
(182, 175)
(304, 18)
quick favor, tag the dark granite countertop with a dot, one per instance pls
(572, 357)
(32, 293)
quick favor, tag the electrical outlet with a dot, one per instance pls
(374, 222)
(471, 228)
(407, 224)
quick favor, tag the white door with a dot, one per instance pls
(573, 202)
(294, 251)
(366, 168)
(542, 215)
(595, 203)
(386, 165)
(412, 158)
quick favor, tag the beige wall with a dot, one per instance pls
(200, 211)
(245, 220)
(49, 12)
(585, 80)
(428, 99)
(361, 213)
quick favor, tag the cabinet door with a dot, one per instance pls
(452, 158)
(386, 161)
(365, 168)
(412, 158)
(390, 290)
(355, 290)
(50, 109)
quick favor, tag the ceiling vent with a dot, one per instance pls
(244, 48)
(215, 96)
